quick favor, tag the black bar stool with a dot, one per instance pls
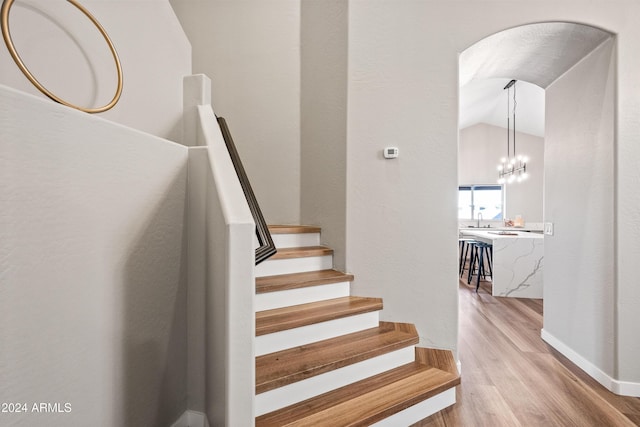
(463, 247)
(480, 252)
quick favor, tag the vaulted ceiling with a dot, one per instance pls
(535, 55)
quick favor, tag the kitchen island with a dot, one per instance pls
(517, 261)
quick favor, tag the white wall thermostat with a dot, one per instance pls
(390, 152)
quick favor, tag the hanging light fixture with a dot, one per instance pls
(512, 168)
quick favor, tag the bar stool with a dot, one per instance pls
(478, 252)
(463, 247)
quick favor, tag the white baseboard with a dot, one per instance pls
(622, 388)
(191, 419)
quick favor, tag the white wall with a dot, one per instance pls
(479, 151)
(67, 54)
(230, 285)
(324, 121)
(401, 214)
(579, 278)
(93, 295)
(403, 90)
(251, 51)
(401, 232)
(221, 360)
(627, 196)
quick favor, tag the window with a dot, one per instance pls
(483, 199)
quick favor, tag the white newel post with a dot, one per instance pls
(221, 368)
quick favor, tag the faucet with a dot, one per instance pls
(479, 218)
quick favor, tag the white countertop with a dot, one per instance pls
(494, 234)
(499, 225)
(502, 228)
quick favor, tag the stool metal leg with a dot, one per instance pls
(480, 267)
(464, 253)
(461, 247)
(490, 260)
(472, 263)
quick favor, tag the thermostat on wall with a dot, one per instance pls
(390, 152)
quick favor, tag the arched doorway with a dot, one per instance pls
(575, 65)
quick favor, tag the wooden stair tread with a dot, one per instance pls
(280, 319)
(361, 403)
(293, 229)
(441, 359)
(288, 366)
(283, 282)
(367, 401)
(302, 252)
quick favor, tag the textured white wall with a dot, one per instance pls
(402, 90)
(401, 214)
(401, 236)
(579, 280)
(93, 295)
(627, 176)
(251, 51)
(480, 149)
(324, 121)
(67, 54)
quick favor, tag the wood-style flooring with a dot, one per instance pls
(511, 377)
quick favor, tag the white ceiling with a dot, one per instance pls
(535, 55)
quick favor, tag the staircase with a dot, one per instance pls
(323, 358)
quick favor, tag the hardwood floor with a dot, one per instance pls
(511, 377)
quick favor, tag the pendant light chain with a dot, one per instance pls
(515, 103)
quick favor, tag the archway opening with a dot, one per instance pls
(573, 66)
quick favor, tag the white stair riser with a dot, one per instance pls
(305, 389)
(294, 265)
(271, 300)
(295, 240)
(270, 343)
(302, 390)
(420, 411)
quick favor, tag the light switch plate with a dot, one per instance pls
(548, 228)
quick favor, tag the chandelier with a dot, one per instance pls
(512, 168)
